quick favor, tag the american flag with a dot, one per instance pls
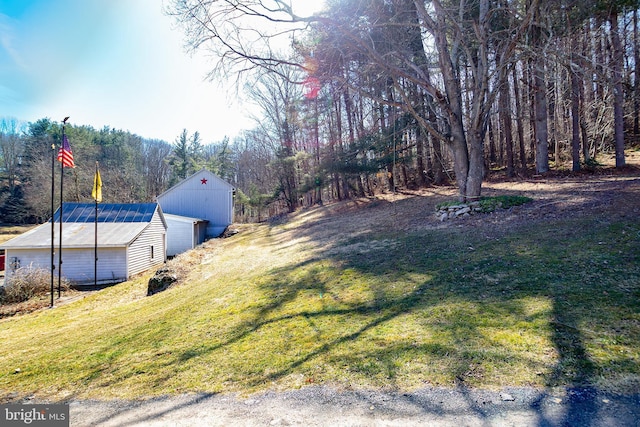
(65, 156)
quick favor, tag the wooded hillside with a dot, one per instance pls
(133, 169)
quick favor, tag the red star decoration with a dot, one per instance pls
(312, 87)
(204, 181)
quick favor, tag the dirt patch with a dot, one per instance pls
(41, 302)
(553, 197)
(556, 198)
(606, 194)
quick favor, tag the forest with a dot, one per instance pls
(367, 96)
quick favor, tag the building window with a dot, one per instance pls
(14, 264)
(151, 251)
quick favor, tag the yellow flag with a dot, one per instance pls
(96, 193)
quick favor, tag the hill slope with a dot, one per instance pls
(368, 293)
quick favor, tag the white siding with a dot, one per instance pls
(179, 236)
(112, 264)
(77, 263)
(27, 257)
(140, 255)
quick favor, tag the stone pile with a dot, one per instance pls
(457, 211)
(161, 280)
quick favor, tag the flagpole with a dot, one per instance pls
(64, 122)
(53, 223)
(95, 247)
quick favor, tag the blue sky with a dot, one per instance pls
(117, 63)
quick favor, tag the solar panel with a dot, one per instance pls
(107, 212)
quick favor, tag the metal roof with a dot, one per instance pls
(118, 226)
(78, 235)
(171, 217)
(107, 212)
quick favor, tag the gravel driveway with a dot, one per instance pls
(324, 406)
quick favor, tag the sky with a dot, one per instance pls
(116, 63)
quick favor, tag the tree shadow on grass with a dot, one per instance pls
(542, 261)
(282, 289)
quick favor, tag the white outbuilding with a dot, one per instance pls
(203, 195)
(184, 233)
(131, 238)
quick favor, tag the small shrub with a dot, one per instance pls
(26, 283)
(592, 164)
(490, 204)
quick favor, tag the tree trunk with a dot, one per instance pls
(439, 175)
(587, 96)
(531, 111)
(476, 167)
(505, 118)
(420, 164)
(552, 116)
(466, 144)
(540, 110)
(575, 119)
(288, 178)
(493, 158)
(618, 100)
(460, 160)
(636, 75)
(519, 114)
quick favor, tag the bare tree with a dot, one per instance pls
(156, 170)
(616, 64)
(244, 35)
(459, 39)
(277, 98)
(11, 148)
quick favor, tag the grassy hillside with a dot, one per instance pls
(369, 293)
(11, 231)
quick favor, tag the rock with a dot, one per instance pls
(162, 280)
(457, 211)
(463, 211)
(230, 232)
(507, 397)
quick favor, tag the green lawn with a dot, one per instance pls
(351, 300)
